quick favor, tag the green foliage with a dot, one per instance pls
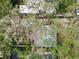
(5, 6)
(69, 2)
(68, 31)
(72, 8)
(67, 36)
(35, 56)
(63, 4)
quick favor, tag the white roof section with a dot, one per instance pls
(25, 9)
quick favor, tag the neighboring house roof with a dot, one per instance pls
(35, 6)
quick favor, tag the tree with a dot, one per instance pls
(5, 6)
(17, 28)
(63, 4)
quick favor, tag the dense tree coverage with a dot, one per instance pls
(17, 29)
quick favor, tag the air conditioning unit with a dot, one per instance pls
(77, 11)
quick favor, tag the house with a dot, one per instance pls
(37, 6)
(43, 37)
